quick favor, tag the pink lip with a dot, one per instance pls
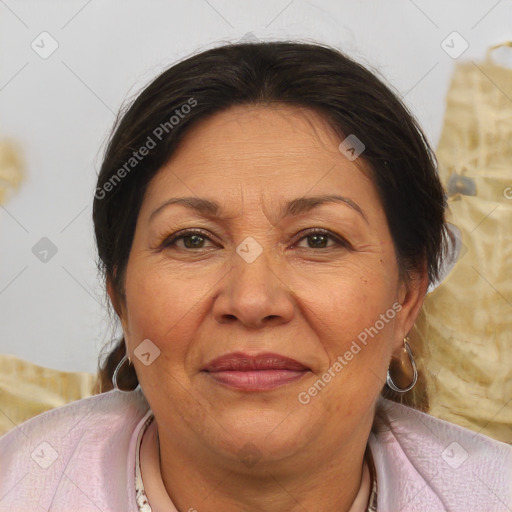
(255, 373)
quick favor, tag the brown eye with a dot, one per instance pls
(319, 238)
(192, 239)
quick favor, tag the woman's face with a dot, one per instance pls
(270, 271)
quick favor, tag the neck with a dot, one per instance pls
(328, 482)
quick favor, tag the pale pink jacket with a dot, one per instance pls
(81, 457)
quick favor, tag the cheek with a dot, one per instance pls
(354, 321)
(160, 308)
(350, 308)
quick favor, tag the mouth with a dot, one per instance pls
(260, 372)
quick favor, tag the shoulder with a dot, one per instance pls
(425, 463)
(76, 455)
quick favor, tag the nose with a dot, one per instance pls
(254, 293)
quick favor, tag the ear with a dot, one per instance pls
(118, 306)
(411, 294)
(114, 298)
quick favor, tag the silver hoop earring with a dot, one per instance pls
(389, 380)
(116, 373)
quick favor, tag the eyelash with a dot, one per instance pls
(169, 241)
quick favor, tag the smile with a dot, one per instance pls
(255, 373)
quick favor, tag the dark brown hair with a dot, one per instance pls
(314, 76)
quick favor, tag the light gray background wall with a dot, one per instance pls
(60, 110)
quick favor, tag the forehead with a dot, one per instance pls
(265, 131)
(274, 148)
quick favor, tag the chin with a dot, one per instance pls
(265, 433)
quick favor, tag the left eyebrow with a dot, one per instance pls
(294, 207)
(305, 204)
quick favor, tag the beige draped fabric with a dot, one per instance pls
(10, 170)
(27, 389)
(467, 320)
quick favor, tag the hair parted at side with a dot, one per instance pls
(309, 75)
